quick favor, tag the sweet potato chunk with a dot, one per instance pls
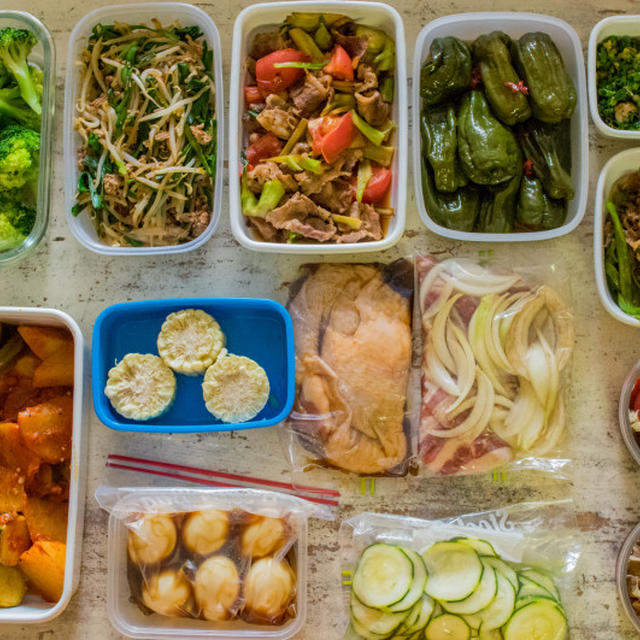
(12, 495)
(56, 370)
(45, 341)
(12, 587)
(46, 428)
(13, 452)
(46, 520)
(14, 539)
(43, 566)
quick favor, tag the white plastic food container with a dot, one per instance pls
(469, 26)
(167, 13)
(33, 608)
(128, 619)
(621, 163)
(618, 26)
(262, 17)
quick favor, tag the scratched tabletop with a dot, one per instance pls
(604, 480)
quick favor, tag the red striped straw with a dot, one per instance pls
(193, 474)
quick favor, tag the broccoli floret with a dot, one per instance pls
(16, 223)
(19, 157)
(15, 46)
(13, 107)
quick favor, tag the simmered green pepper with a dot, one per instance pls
(488, 150)
(447, 71)
(457, 210)
(535, 209)
(440, 142)
(502, 85)
(551, 90)
(498, 207)
(540, 144)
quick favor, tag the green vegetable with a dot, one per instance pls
(379, 153)
(342, 101)
(380, 47)
(271, 194)
(310, 21)
(628, 289)
(16, 222)
(498, 208)
(354, 223)
(541, 143)
(488, 150)
(9, 350)
(536, 210)
(447, 71)
(618, 81)
(306, 44)
(298, 132)
(14, 108)
(323, 37)
(551, 91)
(440, 142)
(15, 47)
(500, 80)
(313, 66)
(19, 157)
(377, 136)
(457, 210)
(364, 175)
(299, 162)
(387, 89)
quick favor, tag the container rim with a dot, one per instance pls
(621, 575)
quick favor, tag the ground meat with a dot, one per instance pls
(198, 219)
(112, 182)
(625, 110)
(265, 172)
(278, 121)
(202, 137)
(265, 43)
(98, 102)
(309, 95)
(373, 108)
(161, 136)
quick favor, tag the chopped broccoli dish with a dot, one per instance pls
(618, 81)
(20, 119)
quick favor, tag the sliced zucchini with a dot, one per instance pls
(376, 621)
(483, 547)
(362, 632)
(454, 570)
(494, 634)
(417, 586)
(384, 576)
(447, 627)
(426, 609)
(501, 609)
(543, 580)
(480, 598)
(541, 619)
(530, 588)
(505, 569)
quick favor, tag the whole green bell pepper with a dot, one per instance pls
(502, 85)
(540, 144)
(447, 71)
(488, 150)
(551, 90)
(498, 207)
(439, 143)
(535, 209)
(457, 210)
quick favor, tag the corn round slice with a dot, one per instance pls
(235, 388)
(190, 341)
(141, 386)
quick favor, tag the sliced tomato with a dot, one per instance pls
(331, 135)
(340, 66)
(252, 95)
(271, 79)
(264, 147)
(378, 186)
(634, 398)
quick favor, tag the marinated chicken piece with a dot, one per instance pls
(353, 350)
(278, 121)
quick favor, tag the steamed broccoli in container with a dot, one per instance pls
(20, 117)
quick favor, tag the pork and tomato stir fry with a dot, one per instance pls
(317, 165)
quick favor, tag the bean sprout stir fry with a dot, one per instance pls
(146, 116)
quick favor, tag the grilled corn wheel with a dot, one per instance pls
(235, 388)
(141, 386)
(190, 341)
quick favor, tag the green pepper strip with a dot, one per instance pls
(290, 161)
(300, 65)
(354, 223)
(298, 132)
(364, 175)
(376, 136)
(269, 198)
(9, 350)
(306, 44)
(387, 89)
(379, 153)
(322, 37)
(624, 265)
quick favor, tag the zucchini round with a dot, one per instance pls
(541, 619)
(454, 570)
(447, 627)
(480, 598)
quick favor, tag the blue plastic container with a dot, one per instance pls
(256, 328)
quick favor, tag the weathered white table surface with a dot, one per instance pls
(604, 481)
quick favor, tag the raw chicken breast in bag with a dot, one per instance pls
(496, 348)
(505, 574)
(352, 328)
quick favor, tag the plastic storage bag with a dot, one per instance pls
(352, 327)
(496, 348)
(489, 565)
(188, 562)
